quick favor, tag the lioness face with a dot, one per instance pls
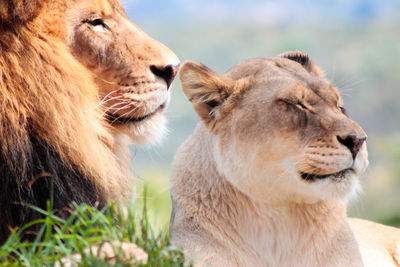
(132, 70)
(280, 129)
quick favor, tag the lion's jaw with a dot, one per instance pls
(275, 180)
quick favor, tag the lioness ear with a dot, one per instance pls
(206, 89)
(19, 11)
(304, 60)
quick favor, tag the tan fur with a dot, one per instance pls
(65, 65)
(60, 102)
(46, 56)
(120, 58)
(239, 196)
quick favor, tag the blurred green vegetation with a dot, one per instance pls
(360, 59)
(157, 200)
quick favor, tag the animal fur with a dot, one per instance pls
(55, 143)
(265, 177)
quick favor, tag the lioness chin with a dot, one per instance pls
(264, 179)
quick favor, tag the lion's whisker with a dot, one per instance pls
(108, 100)
(107, 95)
(108, 81)
(125, 114)
(110, 108)
(121, 108)
(131, 111)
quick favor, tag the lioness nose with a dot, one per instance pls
(167, 72)
(353, 143)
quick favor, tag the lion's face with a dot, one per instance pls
(132, 70)
(281, 131)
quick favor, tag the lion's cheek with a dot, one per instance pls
(259, 170)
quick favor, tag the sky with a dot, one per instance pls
(262, 11)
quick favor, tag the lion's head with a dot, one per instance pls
(69, 70)
(279, 127)
(132, 70)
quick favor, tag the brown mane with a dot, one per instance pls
(50, 129)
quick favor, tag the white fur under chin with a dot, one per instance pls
(150, 131)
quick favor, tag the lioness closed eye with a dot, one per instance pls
(264, 178)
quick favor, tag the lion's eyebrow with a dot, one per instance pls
(328, 94)
(315, 88)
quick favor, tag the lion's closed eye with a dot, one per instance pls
(296, 103)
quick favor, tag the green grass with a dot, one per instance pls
(87, 226)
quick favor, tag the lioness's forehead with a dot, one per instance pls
(283, 77)
(323, 89)
(249, 67)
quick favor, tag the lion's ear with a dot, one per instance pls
(206, 89)
(19, 11)
(304, 60)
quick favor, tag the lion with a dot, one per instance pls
(265, 177)
(78, 81)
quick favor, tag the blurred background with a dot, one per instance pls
(356, 42)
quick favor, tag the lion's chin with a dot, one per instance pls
(150, 130)
(116, 119)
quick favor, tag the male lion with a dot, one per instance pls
(58, 59)
(264, 178)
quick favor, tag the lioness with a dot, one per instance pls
(77, 79)
(265, 177)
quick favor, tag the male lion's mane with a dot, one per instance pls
(52, 140)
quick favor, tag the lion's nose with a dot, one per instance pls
(167, 72)
(352, 142)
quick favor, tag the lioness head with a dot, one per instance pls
(279, 127)
(133, 71)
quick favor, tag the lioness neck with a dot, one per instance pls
(253, 233)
